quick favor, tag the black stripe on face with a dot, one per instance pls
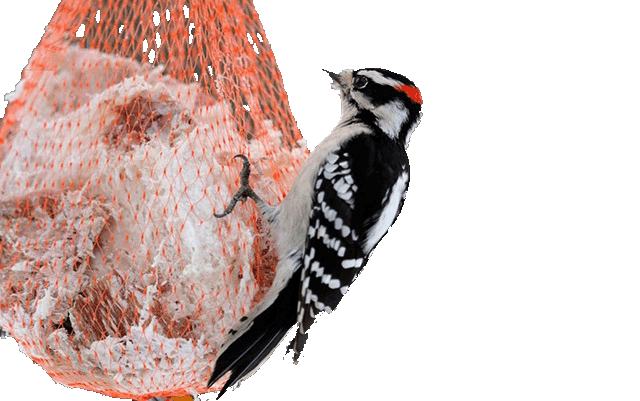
(378, 94)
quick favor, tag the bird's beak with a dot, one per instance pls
(334, 76)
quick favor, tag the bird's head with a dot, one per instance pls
(382, 98)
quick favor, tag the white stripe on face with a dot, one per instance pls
(378, 78)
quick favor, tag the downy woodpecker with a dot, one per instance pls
(349, 192)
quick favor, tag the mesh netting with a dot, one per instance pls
(115, 151)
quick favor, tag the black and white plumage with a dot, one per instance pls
(348, 194)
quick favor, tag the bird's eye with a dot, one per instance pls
(360, 82)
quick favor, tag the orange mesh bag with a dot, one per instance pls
(115, 151)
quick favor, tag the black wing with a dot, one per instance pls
(352, 208)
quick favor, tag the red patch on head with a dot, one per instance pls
(412, 92)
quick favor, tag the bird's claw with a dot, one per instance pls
(245, 191)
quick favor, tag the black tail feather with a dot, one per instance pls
(296, 345)
(243, 361)
(247, 367)
(267, 329)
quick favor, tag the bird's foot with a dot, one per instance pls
(245, 191)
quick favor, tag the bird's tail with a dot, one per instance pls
(254, 344)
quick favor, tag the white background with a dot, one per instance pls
(513, 272)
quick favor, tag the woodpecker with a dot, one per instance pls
(347, 195)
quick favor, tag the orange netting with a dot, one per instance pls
(115, 151)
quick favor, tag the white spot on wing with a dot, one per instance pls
(322, 231)
(341, 186)
(347, 197)
(319, 270)
(329, 175)
(345, 232)
(334, 283)
(338, 223)
(311, 255)
(329, 213)
(330, 167)
(315, 267)
(348, 263)
(332, 158)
